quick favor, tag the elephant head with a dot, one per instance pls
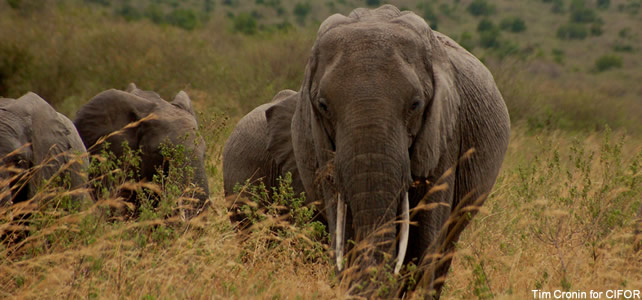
(36, 144)
(152, 122)
(387, 102)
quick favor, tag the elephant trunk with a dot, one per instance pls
(373, 176)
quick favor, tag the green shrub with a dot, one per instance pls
(430, 15)
(129, 12)
(583, 15)
(183, 18)
(596, 29)
(558, 55)
(558, 6)
(489, 38)
(607, 62)
(244, 23)
(155, 14)
(301, 10)
(620, 47)
(101, 2)
(485, 25)
(373, 2)
(513, 24)
(208, 5)
(624, 32)
(572, 31)
(481, 8)
(603, 4)
(466, 40)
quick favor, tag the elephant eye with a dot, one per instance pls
(415, 105)
(323, 104)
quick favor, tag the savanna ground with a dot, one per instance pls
(561, 215)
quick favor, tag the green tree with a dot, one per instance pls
(430, 15)
(558, 6)
(154, 13)
(244, 23)
(485, 24)
(183, 18)
(572, 31)
(373, 2)
(466, 40)
(481, 8)
(603, 4)
(513, 24)
(490, 38)
(301, 10)
(607, 62)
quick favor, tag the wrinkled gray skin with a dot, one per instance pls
(174, 121)
(386, 102)
(246, 154)
(33, 134)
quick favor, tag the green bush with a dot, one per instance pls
(572, 31)
(558, 6)
(558, 55)
(489, 38)
(373, 2)
(596, 29)
(621, 47)
(466, 40)
(301, 10)
(430, 16)
(244, 23)
(183, 18)
(607, 62)
(485, 25)
(101, 2)
(513, 24)
(481, 8)
(583, 15)
(129, 12)
(155, 14)
(603, 4)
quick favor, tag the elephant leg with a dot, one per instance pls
(427, 236)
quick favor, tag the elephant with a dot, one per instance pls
(246, 154)
(145, 122)
(398, 132)
(37, 143)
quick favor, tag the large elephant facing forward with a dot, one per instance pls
(160, 122)
(37, 143)
(411, 129)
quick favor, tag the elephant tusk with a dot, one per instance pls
(405, 231)
(340, 231)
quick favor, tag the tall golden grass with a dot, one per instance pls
(561, 215)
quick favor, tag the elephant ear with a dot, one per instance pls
(182, 101)
(111, 111)
(149, 95)
(441, 115)
(53, 139)
(279, 121)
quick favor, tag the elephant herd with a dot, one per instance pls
(36, 137)
(397, 134)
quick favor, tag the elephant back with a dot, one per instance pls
(108, 113)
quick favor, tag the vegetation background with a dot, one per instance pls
(561, 216)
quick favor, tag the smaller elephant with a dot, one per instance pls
(36, 144)
(255, 151)
(146, 122)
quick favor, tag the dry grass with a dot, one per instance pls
(557, 218)
(533, 232)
